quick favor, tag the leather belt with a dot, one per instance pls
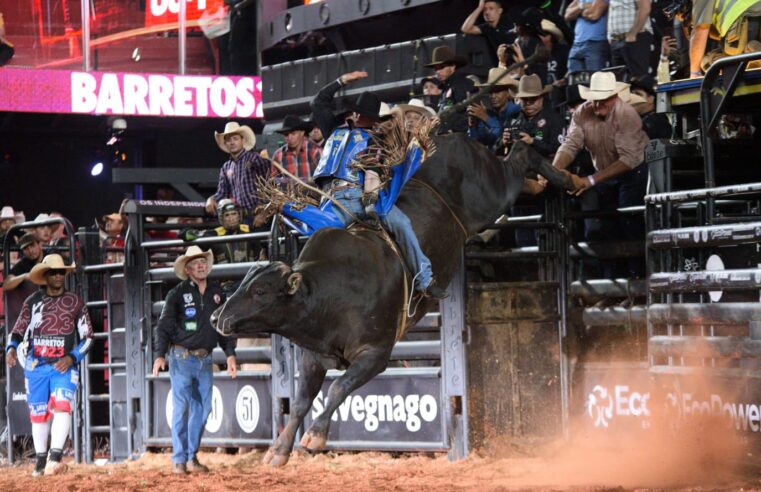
(199, 353)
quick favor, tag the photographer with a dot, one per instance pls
(485, 124)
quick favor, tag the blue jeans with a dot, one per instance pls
(191, 379)
(588, 55)
(399, 225)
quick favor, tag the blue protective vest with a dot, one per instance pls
(343, 146)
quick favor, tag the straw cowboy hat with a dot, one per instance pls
(602, 85)
(233, 128)
(291, 123)
(551, 28)
(192, 253)
(629, 97)
(531, 86)
(417, 106)
(7, 213)
(50, 262)
(444, 54)
(498, 77)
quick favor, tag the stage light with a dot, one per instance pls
(96, 169)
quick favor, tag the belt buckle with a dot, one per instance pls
(199, 353)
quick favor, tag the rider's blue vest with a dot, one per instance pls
(343, 146)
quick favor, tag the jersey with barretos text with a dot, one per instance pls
(49, 328)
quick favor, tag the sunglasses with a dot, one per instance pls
(530, 100)
(56, 271)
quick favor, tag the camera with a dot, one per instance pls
(677, 8)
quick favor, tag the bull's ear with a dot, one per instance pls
(294, 282)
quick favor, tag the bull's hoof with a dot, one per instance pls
(313, 442)
(272, 459)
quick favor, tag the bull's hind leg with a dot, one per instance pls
(310, 382)
(365, 367)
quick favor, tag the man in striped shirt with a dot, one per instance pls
(299, 156)
(238, 178)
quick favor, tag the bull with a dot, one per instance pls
(341, 301)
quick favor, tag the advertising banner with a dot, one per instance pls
(129, 94)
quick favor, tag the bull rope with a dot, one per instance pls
(441, 199)
(402, 326)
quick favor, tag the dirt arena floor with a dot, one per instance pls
(562, 467)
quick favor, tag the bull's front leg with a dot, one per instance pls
(365, 367)
(310, 382)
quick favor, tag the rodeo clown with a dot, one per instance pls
(51, 336)
(357, 190)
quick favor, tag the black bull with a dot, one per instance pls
(342, 298)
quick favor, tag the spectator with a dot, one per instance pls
(655, 125)
(529, 27)
(186, 335)
(552, 39)
(43, 232)
(430, 88)
(415, 112)
(112, 237)
(7, 219)
(316, 136)
(486, 124)
(238, 177)
(631, 36)
(590, 50)
(668, 47)
(494, 29)
(57, 231)
(537, 125)
(52, 335)
(612, 132)
(455, 85)
(31, 248)
(299, 156)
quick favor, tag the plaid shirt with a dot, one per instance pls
(301, 164)
(621, 17)
(238, 179)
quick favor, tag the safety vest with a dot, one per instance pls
(341, 148)
(726, 12)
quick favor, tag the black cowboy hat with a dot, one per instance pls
(532, 17)
(343, 107)
(368, 104)
(291, 122)
(444, 54)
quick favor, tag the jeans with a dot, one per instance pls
(637, 56)
(588, 55)
(191, 379)
(399, 225)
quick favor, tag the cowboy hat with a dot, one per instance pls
(531, 86)
(50, 262)
(551, 28)
(417, 106)
(443, 55)
(368, 104)
(498, 77)
(233, 128)
(42, 217)
(26, 240)
(629, 97)
(602, 85)
(531, 17)
(291, 123)
(7, 213)
(192, 253)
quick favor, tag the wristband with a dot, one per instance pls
(696, 73)
(12, 345)
(591, 179)
(73, 357)
(664, 58)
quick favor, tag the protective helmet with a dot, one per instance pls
(227, 205)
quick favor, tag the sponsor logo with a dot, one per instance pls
(19, 396)
(603, 406)
(721, 234)
(190, 312)
(217, 299)
(372, 410)
(188, 298)
(741, 416)
(247, 409)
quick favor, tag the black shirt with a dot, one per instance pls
(495, 36)
(186, 319)
(24, 265)
(454, 90)
(545, 127)
(656, 125)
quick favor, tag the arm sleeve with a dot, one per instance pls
(702, 12)
(322, 108)
(223, 186)
(84, 332)
(22, 322)
(167, 325)
(630, 139)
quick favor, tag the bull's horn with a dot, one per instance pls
(294, 281)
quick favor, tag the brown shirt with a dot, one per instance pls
(618, 137)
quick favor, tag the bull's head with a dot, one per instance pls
(266, 300)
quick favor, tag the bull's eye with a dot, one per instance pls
(259, 292)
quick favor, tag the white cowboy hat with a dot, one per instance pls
(41, 218)
(602, 85)
(552, 28)
(498, 77)
(50, 262)
(7, 213)
(531, 86)
(233, 128)
(192, 253)
(417, 106)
